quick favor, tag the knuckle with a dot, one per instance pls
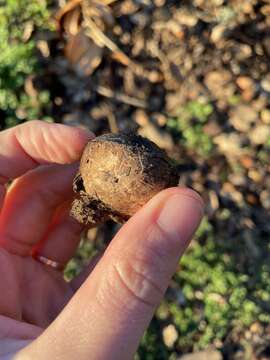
(140, 280)
(141, 277)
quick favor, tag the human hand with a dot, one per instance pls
(102, 313)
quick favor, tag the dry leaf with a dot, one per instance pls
(72, 4)
(83, 53)
(71, 21)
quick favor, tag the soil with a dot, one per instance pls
(163, 57)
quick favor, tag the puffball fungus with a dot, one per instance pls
(118, 174)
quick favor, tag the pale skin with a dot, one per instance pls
(103, 313)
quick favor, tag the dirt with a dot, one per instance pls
(169, 55)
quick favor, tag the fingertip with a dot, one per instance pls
(48, 142)
(79, 137)
(180, 215)
(158, 201)
(83, 135)
(190, 193)
(176, 211)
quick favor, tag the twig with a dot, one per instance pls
(101, 39)
(108, 93)
(97, 35)
(108, 2)
(93, 31)
(112, 123)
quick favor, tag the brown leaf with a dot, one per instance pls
(71, 21)
(83, 53)
(72, 4)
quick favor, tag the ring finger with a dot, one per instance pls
(62, 239)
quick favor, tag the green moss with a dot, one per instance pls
(18, 58)
(234, 100)
(188, 126)
(219, 298)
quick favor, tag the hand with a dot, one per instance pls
(102, 313)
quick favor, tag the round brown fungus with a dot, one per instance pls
(118, 174)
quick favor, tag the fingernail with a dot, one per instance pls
(180, 216)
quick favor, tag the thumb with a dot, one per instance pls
(110, 312)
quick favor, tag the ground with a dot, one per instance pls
(193, 76)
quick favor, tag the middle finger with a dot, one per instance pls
(30, 205)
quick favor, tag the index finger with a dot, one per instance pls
(26, 146)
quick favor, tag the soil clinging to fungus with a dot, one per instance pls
(118, 174)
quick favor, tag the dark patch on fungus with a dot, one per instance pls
(118, 174)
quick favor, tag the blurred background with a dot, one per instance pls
(194, 77)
